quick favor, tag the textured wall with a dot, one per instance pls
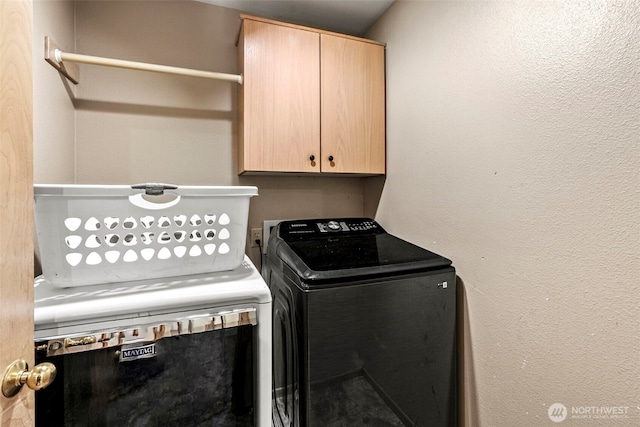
(513, 149)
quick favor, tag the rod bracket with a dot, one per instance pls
(70, 70)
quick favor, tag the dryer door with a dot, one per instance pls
(188, 380)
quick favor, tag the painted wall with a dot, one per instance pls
(513, 149)
(53, 109)
(123, 127)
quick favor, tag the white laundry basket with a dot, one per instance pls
(90, 234)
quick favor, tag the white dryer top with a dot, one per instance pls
(81, 309)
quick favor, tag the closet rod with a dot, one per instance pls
(58, 59)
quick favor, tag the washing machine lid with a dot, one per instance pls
(347, 248)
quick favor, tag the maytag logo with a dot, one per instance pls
(135, 353)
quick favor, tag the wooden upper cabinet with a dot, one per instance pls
(279, 98)
(309, 96)
(353, 105)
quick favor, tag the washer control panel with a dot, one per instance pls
(309, 229)
(335, 226)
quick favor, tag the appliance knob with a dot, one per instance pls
(333, 225)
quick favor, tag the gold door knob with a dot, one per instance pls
(18, 374)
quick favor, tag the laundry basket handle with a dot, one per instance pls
(154, 188)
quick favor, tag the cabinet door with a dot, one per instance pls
(279, 99)
(353, 106)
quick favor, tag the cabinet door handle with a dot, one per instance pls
(312, 157)
(331, 158)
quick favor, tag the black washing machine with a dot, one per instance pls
(364, 327)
